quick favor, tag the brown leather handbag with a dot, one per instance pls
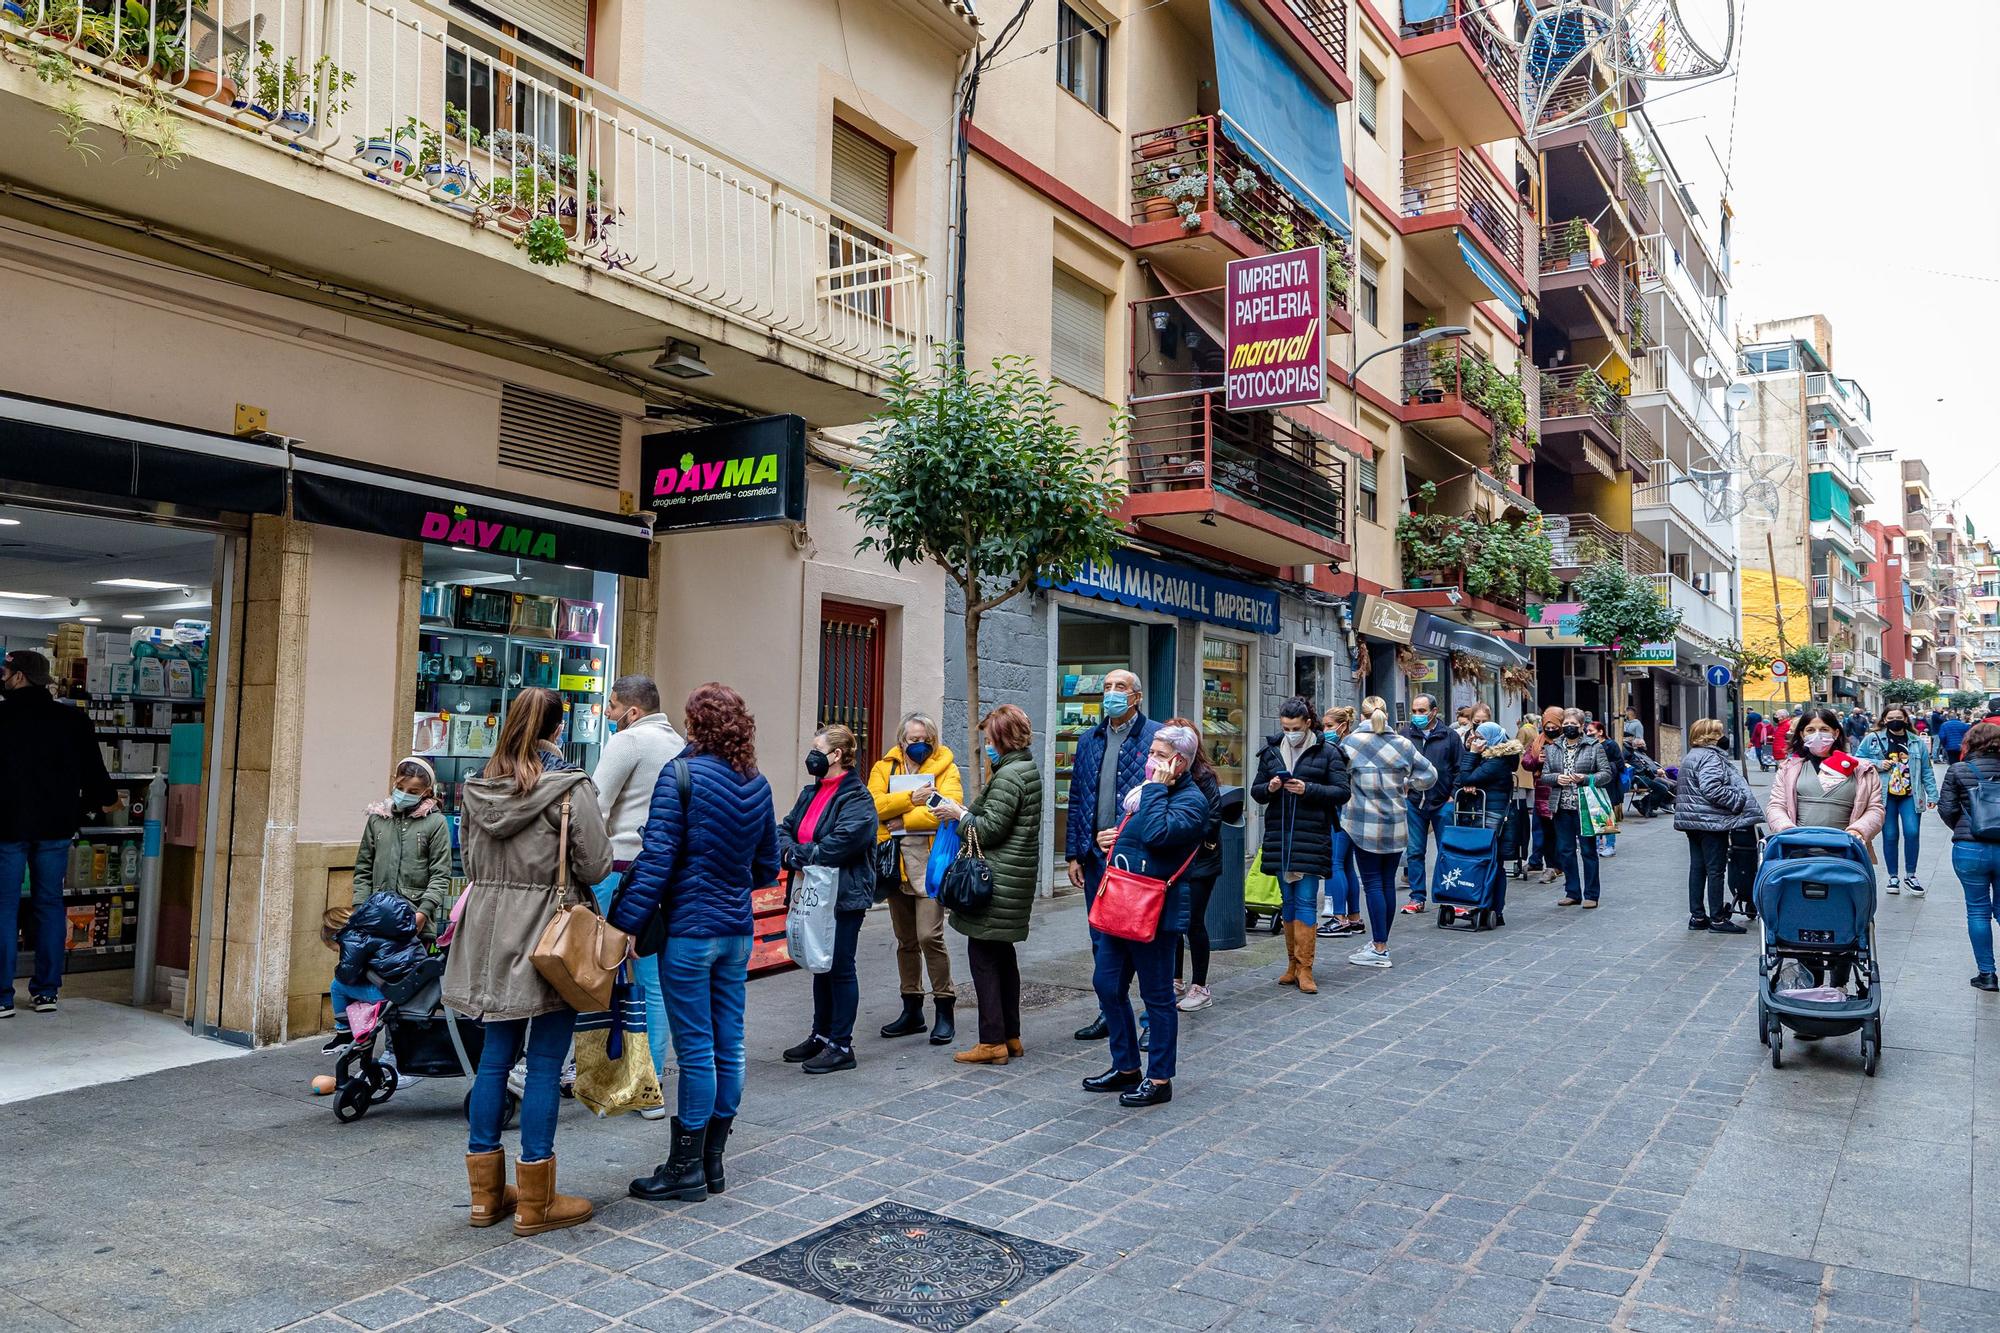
(579, 951)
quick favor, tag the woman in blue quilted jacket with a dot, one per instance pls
(710, 840)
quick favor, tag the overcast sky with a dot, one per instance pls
(1866, 186)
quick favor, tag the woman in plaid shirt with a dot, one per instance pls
(1384, 769)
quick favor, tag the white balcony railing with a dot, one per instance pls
(1700, 613)
(1662, 372)
(1846, 595)
(1672, 490)
(393, 95)
(1661, 269)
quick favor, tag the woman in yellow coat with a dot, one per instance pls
(919, 922)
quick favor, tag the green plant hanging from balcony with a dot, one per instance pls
(1501, 559)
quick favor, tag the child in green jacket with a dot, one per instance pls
(406, 847)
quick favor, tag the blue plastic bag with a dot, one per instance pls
(944, 850)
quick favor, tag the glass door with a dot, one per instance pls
(1228, 708)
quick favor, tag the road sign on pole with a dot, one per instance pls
(1718, 676)
(1779, 670)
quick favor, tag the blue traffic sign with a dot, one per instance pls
(1718, 676)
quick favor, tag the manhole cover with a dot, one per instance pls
(912, 1266)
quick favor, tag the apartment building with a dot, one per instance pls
(1952, 569)
(1887, 586)
(1801, 409)
(1920, 570)
(352, 346)
(1980, 628)
(1121, 156)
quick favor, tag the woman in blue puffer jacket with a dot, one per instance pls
(702, 853)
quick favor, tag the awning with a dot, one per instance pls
(1440, 635)
(1278, 116)
(1502, 290)
(45, 443)
(1416, 12)
(419, 508)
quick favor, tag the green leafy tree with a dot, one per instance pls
(976, 472)
(1810, 663)
(1966, 699)
(1744, 661)
(1620, 609)
(1909, 691)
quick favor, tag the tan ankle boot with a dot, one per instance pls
(984, 1053)
(1308, 951)
(1015, 1048)
(1291, 972)
(492, 1197)
(541, 1208)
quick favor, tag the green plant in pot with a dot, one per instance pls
(544, 240)
(1576, 242)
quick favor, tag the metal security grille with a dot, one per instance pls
(850, 672)
(560, 437)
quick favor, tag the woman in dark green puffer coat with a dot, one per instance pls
(1007, 818)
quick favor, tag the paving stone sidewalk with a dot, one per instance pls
(1565, 1124)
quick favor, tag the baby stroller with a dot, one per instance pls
(1470, 879)
(426, 1039)
(1819, 975)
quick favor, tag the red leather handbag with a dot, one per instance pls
(1128, 904)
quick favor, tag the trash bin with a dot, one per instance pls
(1225, 905)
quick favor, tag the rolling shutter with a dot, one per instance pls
(1076, 350)
(560, 437)
(863, 174)
(566, 23)
(1366, 90)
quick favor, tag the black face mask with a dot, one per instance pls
(817, 763)
(1898, 728)
(1572, 732)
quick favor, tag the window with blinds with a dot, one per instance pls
(863, 185)
(1081, 58)
(1370, 297)
(1076, 352)
(564, 24)
(1365, 501)
(1367, 90)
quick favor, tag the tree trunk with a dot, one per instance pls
(969, 767)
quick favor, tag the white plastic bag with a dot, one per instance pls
(809, 919)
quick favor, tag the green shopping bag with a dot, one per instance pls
(1260, 890)
(1594, 811)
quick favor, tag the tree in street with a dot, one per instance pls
(976, 472)
(1908, 692)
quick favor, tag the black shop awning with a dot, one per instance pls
(448, 513)
(60, 445)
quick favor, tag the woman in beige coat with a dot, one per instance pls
(515, 816)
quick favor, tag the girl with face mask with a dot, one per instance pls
(1909, 787)
(833, 823)
(1820, 786)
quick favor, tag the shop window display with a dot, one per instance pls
(1227, 713)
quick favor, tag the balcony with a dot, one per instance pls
(1636, 187)
(1661, 270)
(1199, 201)
(1453, 392)
(1582, 540)
(1593, 136)
(1583, 293)
(1701, 615)
(1447, 195)
(1320, 29)
(1585, 425)
(1465, 64)
(1842, 595)
(1928, 672)
(1673, 498)
(1828, 451)
(1661, 373)
(371, 148)
(1258, 485)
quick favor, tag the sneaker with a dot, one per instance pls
(1895, 885)
(1909, 882)
(337, 1043)
(1180, 990)
(1414, 905)
(45, 1004)
(830, 1060)
(7, 1009)
(1698, 923)
(653, 1113)
(1985, 981)
(1366, 956)
(406, 1080)
(1197, 997)
(517, 1080)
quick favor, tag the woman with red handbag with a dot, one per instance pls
(1140, 912)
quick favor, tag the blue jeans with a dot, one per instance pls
(44, 864)
(546, 1037)
(343, 995)
(1378, 881)
(1902, 818)
(1423, 824)
(1343, 890)
(1301, 900)
(1978, 867)
(707, 980)
(1152, 962)
(1573, 845)
(646, 978)
(836, 992)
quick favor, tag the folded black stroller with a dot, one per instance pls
(425, 1037)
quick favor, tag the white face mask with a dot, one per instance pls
(1819, 742)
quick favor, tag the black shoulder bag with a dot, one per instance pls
(652, 936)
(967, 884)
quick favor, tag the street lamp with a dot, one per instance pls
(1423, 338)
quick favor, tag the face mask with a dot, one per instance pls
(918, 751)
(817, 763)
(992, 756)
(1331, 736)
(1819, 742)
(1420, 720)
(402, 800)
(1116, 702)
(610, 728)
(1295, 738)
(1572, 732)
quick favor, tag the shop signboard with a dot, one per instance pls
(1274, 330)
(723, 476)
(1135, 580)
(1439, 635)
(1664, 654)
(1384, 619)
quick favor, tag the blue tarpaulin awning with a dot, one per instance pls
(1503, 291)
(1279, 117)
(1418, 12)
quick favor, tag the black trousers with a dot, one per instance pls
(996, 980)
(1708, 858)
(1196, 939)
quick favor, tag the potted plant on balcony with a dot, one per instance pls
(1161, 143)
(1187, 192)
(383, 154)
(517, 197)
(288, 101)
(1576, 241)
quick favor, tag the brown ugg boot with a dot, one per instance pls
(1308, 951)
(492, 1197)
(985, 1053)
(1291, 972)
(541, 1208)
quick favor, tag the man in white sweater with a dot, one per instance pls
(639, 750)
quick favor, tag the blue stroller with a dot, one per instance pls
(1819, 975)
(1470, 879)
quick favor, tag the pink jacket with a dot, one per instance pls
(1781, 810)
